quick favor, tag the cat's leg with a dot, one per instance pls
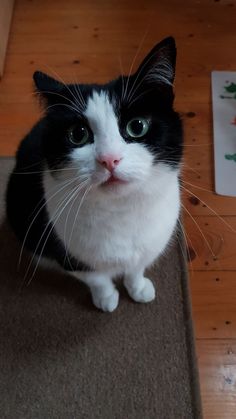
(139, 287)
(104, 294)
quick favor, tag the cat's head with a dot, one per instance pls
(119, 136)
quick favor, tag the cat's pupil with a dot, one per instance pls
(79, 133)
(137, 126)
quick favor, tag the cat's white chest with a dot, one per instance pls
(119, 234)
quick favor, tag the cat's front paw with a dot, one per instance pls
(106, 303)
(144, 293)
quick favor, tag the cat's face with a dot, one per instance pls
(118, 137)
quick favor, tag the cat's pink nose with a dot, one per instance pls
(109, 161)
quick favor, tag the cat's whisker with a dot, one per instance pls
(133, 62)
(80, 95)
(80, 99)
(122, 79)
(135, 87)
(62, 81)
(31, 165)
(67, 169)
(201, 232)
(52, 228)
(52, 221)
(77, 212)
(43, 200)
(83, 185)
(184, 234)
(64, 97)
(75, 179)
(182, 165)
(72, 229)
(188, 246)
(184, 249)
(196, 145)
(198, 227)
(210, 208)
(196, 186)
(187, 241)
(35, 251)
(67, 183)
(190, 168)
(72, 108)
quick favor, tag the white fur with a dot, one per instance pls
(117, 229)
(103, 122)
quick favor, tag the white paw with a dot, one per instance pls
(106, 303)
(145, 294)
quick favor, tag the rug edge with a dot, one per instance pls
(190, 330)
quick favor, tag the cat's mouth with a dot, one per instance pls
(113, 180)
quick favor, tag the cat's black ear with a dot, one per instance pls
(49, 88)
(45, 83)
(159, 65)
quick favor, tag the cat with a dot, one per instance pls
(95, 186)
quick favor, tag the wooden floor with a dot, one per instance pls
(89, 40)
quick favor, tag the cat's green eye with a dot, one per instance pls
(137, 127)
(79, 134)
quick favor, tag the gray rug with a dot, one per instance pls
(61, 358)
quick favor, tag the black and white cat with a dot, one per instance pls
(101, 195)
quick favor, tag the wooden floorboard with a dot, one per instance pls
(214, 302)
(217, 362)
(92, 41)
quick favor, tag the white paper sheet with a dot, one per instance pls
(224, 124)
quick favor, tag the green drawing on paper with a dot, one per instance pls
(231, 157)
(231, 90)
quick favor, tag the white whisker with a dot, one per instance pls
(211, 209)
(45, 242)
(132, 64)
(80, 95)
(71, 194)
(67, 183)
(197, 187)
(202, 234)
(72, 108)
(77, 212)
(63, 82)
(83, 185)
(74, 104)
(122, 79)
(47, 171)
(186, 240)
